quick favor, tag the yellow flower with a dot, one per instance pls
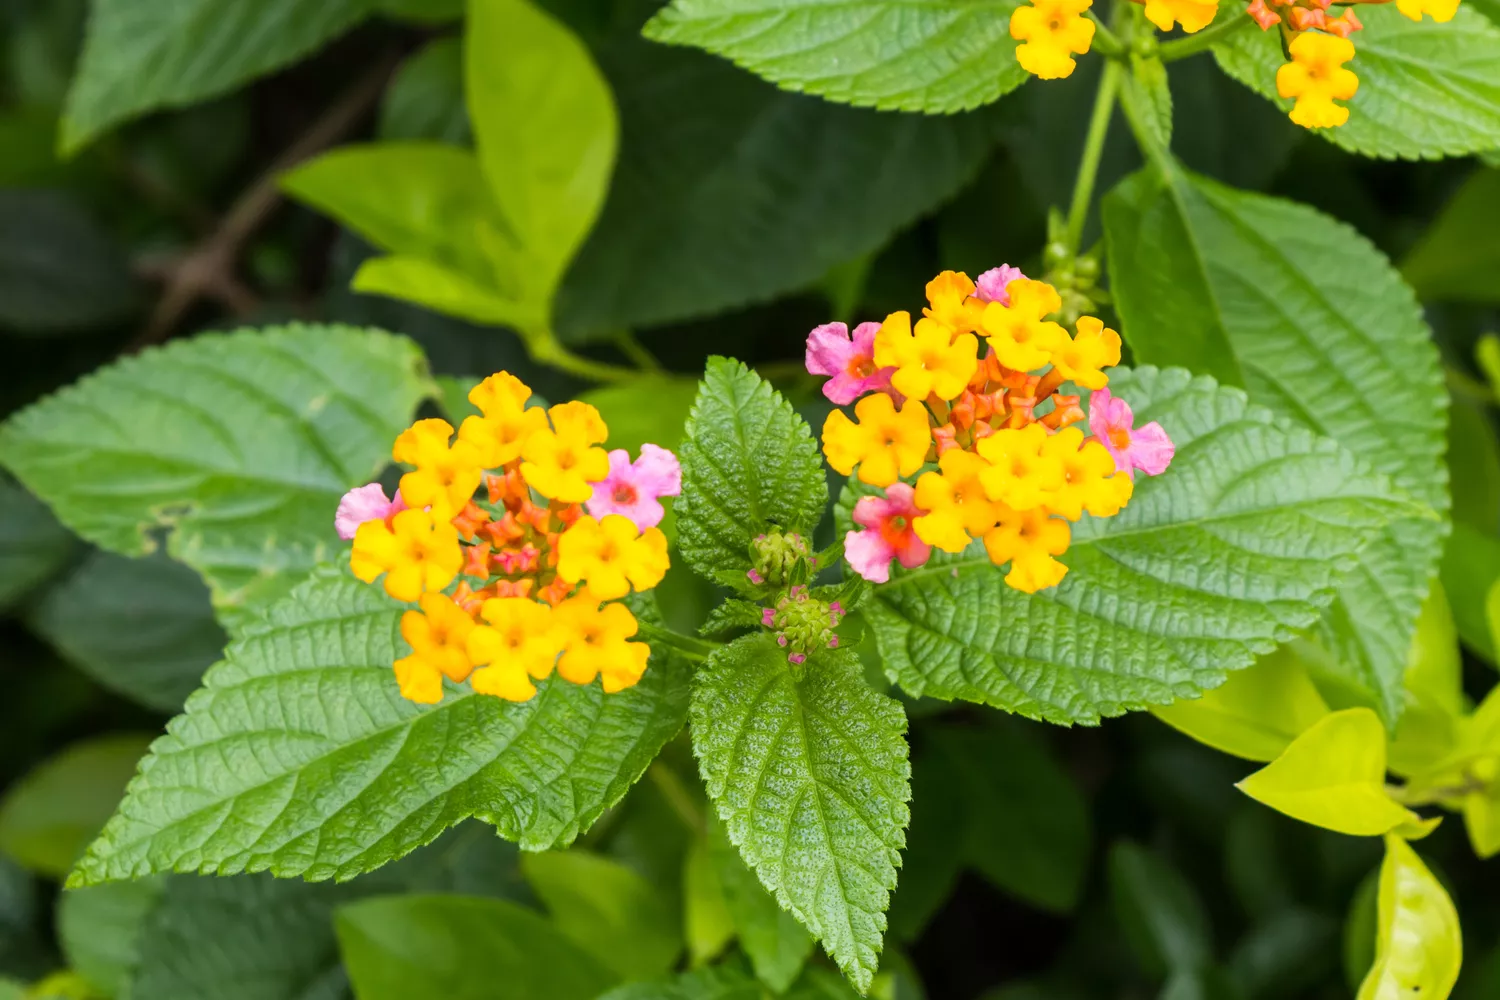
(417, 552)
(931, 360)
(445, 478)
(562, 463)
(593, 641)
(948, 302)
(1090, 481)
(1028, 540)
(1021, 474)
(438, 635)
(1194, 15)
(1019, 333)
(1316, 77)
(611, 555)
(1093, 348)
(517, 645)
(885, 444)
(957, 508)
(1050, 31)
(1442, 11)
(500, 434)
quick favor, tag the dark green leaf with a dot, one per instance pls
(1159, 911)
(1471, 566)
(936, 842)
(1473, 465)
(778, 946)
(426, 98)
(810, 776)
(301, 736)
(724, 982)
(1287, 955)
(58, 270)
(607, 910)
(33, 546)
(422, 11)
(1459, 255)
(100, 930)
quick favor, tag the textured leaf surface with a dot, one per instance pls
(777, 945)
(1326, 335)
(143, 56)
(241, 444)
(1229, 553)
(299, 756)
(937, 56)
(1426, 90)
(33, 546)
(811, 779)
(749, 464)
(58, 270)
(729, 191)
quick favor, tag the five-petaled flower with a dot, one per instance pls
(849, 361)
(1316, 77)
(1113, 423)
(888, 534)
(634, 490)
(364, 503)
(1052, 32)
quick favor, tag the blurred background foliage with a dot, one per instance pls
(1043, 864)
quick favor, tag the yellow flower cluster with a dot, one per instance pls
(1010, 468)
(535, 574)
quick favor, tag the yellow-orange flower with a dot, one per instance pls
(1090, 480)
(1021, 475)
(1020, 334)
(1316, 78)
(416, 551)
(516, 645)
(445, 477)
(948, 302)
(1442, 11)
(1092, 349)
(611, 555)
(886, 443)
(1052, 31)
(1193, 15)
(929, 360)
(958, 510)
(562, 463)
(438, 635)
(1028, 540)
(500, 434)
(594, 643)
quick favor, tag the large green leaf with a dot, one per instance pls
(462, 948)
(937, 56)
(749, 465)
(1229, 553)
(138, 57)
(299, 756)
(723, 982)
(1458, 257)
(426, 97)
(810, 775)
(100, 930)
(731, 192)
(1159, 911)
(33, 546)
(1326, 335)
(1425, 89)
(240, 443)
(58, 270)
(777, 945)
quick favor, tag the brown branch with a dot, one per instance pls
(207, 271)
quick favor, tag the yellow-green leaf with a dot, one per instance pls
(1333, 776)
(1482, 819)
(1256, 713)
(1418, 947)
(1427, 733)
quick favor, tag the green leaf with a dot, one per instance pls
(58, 270)
(100, 930)
(33, 546)
(142, 627)
(1473, 465)
(1288, 954)
(607, 910)
(460, 948)
(1426, 90)
(546, 131)
(322, 790)
(723, 982)
(730, 192)
(1470, 568)
(137, 58)
(777, 945)
(1228, 554)
(650, 408)
(426, 98)
(442, 289)
(241, 444)
(1148, 99)
(1418, 948)
(1256, 713)
(1333, 776)
(1275, 284)
(937, 56)
(936, 841)
(1158, 910)
(706, 921)
(810, 776)
(749, 465)
(1456, 259)
(49, 816)
(422, 11)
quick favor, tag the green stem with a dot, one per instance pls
(636, 351)
(690, 646)
(1106, 42)
(1093, 148)
(546, 349)
(1191, 45)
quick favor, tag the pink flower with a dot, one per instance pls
(1146, 448)
(851, 362)
(635, 490)
(992, 284)
(364, 503)
(888, 535)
